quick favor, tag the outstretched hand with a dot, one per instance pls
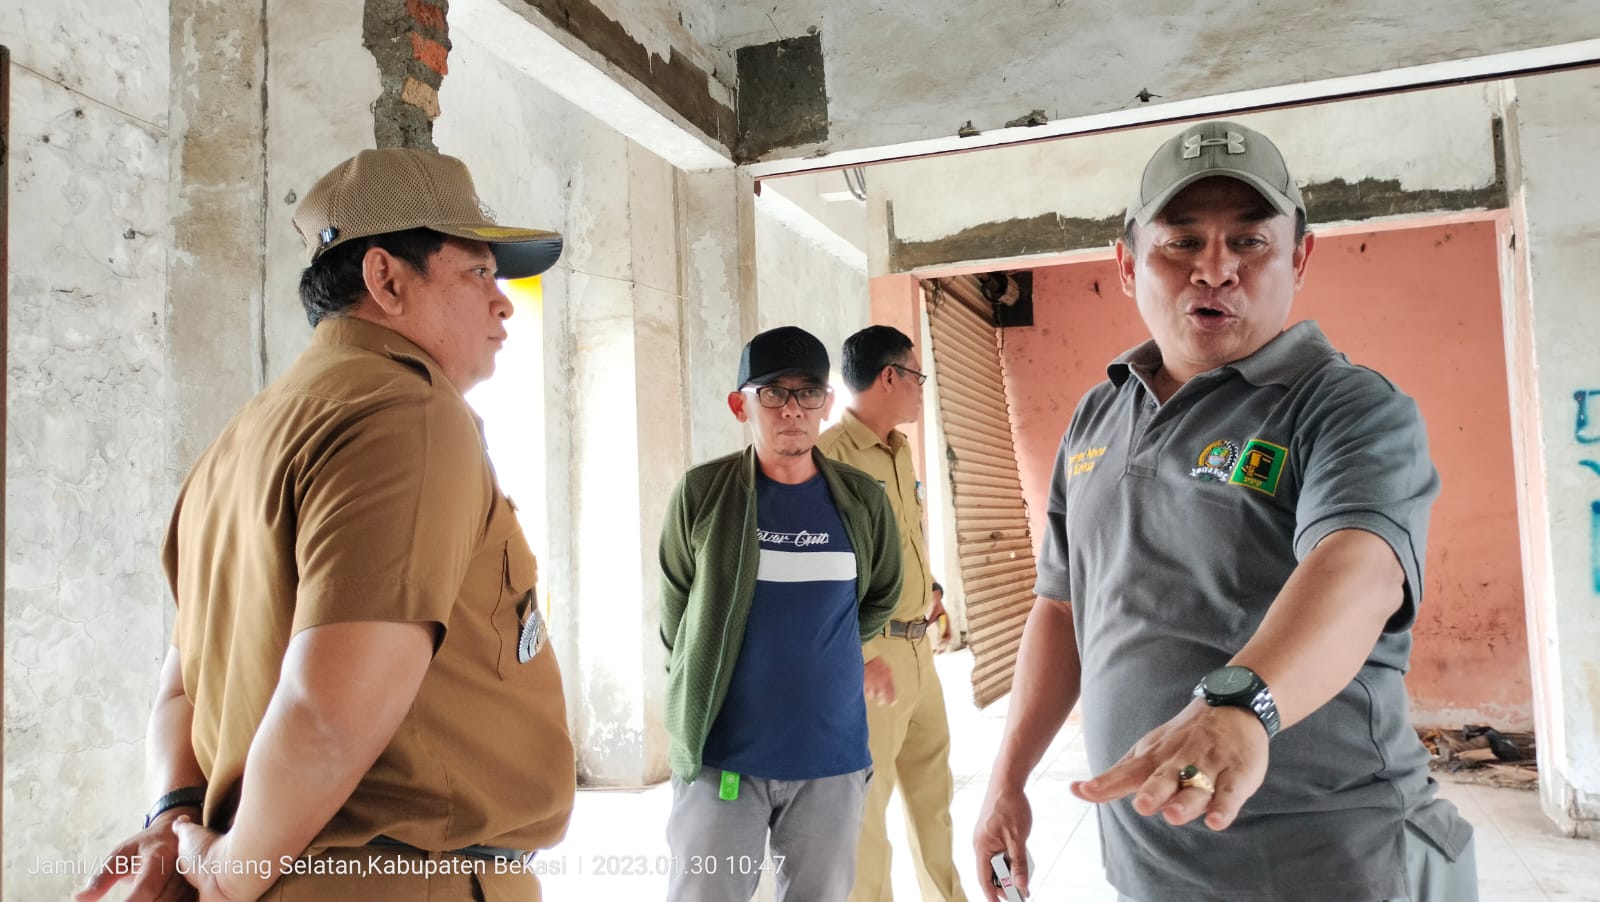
(1227, 744)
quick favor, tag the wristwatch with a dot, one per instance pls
(1240, 687)
(186, 797)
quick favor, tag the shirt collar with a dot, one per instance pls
(1283, 360)
(862, 437)
(354, 332)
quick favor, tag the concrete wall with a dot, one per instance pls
(806, 276)
(85, 457)
(118, 378)
(1422, 307)
(1556, 375)
(1437, 152)
(1096, 64)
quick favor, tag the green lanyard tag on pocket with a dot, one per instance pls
(730, 786)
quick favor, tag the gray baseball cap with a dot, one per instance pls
(1215, 148)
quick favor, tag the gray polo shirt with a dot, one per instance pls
(1172, 528)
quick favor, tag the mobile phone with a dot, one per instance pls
(1000, 875)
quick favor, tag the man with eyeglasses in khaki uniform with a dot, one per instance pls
(909, 734)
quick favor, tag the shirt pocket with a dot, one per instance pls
(517, 620)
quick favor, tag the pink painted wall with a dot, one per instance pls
(1422, 306)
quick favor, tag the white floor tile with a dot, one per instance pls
(1521, 858)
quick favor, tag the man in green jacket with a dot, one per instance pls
(777, 564)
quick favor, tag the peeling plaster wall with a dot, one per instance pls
(807, 276)
(85, 482)
(647, 62)
(1402, 154)
(684, 28)
(948, 63)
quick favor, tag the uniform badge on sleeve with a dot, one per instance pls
(1216, 461)
(534, 634)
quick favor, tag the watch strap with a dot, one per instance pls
(184, 797)
(1260, 703)
(1266, 710)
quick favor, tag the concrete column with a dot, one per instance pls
(1552, 320)
(214, 266)
(321, 85)
(624, 409)
(717, 246)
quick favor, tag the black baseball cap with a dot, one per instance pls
(786, 349)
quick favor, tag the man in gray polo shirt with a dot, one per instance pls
(1238, 519)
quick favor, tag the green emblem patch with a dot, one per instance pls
(1260, 466)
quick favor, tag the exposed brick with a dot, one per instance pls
(426, 14)
(420, 96)
(431, 53)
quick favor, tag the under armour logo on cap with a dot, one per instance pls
(1193, 143)
(1216, 148)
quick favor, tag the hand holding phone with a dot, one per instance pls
(1000, 875)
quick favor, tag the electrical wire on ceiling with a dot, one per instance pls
(855, 178)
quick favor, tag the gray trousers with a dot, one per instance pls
(719, 848)
(1431, 875)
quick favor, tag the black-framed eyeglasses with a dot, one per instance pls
(921, 378)
(775, 396)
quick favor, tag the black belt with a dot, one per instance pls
(487, 853)
(907, 629)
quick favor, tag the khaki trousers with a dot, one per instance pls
(369, 872)
(910, 743)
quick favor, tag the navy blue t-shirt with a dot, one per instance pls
(795, 709)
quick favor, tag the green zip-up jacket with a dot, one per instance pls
(709, 558)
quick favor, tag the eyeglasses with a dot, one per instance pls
(775, 396)
(920, 377)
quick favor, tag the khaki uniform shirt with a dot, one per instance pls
(356, 488)
(851, 442)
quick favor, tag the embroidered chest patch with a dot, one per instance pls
(1216, 461)
(1260, 466)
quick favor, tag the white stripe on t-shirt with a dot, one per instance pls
(805, 566)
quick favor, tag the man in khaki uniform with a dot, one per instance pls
(359, 702)
(908, 733)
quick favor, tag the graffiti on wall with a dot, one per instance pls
(1586, 431)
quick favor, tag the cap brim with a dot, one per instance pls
(1280, 201)
(518, 253)
(775, 375)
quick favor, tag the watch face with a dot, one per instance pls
(1228, 680)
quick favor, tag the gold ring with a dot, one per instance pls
(1192, 777)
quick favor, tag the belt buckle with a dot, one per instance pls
(911, 630)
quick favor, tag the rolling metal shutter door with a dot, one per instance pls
(993, 544)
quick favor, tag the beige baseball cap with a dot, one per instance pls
(392, 189)
(1215, 148)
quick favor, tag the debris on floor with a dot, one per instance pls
(1482, 754)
